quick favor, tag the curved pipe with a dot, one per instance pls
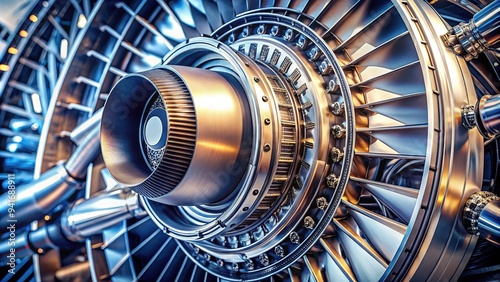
(32, 201)
(83, 219)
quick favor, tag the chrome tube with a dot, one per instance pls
(487, 23)
(91, 216)
(489, 222)
(488, 115)
(79, 133)
(85, 218)
(481, 33)
(36, 199)
(84, 154)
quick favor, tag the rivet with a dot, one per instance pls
(267, 147)
(267, 121)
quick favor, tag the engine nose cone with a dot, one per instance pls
(167, 136)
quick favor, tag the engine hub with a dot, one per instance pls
(269, 176)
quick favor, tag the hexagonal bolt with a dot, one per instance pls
(294, 237)
(332, 180)
(249, 264)
(220, 262)
(230, 39)
(288, 36)
(336, 155)
(337, 108)
(302, 42)
(338, 131)
(196, 250)
(264, 259)
(325, 68)
(261, 29)
(333, 85)
(314, 54)
(309, 222)
(274, 30)
(322, 203)
(279, 251)
(235, 266)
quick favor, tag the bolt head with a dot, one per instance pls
(332, 180)
(279, 251)
(264, 259)
(274, 30)
(321, 203)
(288, 35)
(337, 131)
(294, 237)
(336, 155)
(309, 222)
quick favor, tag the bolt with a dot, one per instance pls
(288, 35)
(244, 33)
(333, 85)
(309, 222)
(207, 256)
(264, 259)
(302, 42)
(265, 98)
(468, 116)
(294, 237)
(331, 180)
(267, 121)
(196, 250)
(267, 147)
(249, 264)
(325, 68)
(314, 54)
(261, 29)
(336, 155)
(256, 79)
(235, 266)
(337, 108)
(337, 131)
(279, 251)
(220, 262)
(230, 39)
(274, 30)
(321, 203)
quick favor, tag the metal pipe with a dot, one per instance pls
(488, 116)
(88, 217)
(35, 199)
(84, 154)
(481, 216)
(79, 133)
(487, 23)
(489, 222)
(83, 219)
(481, 33)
